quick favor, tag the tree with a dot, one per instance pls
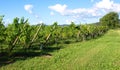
(111, 20)
(2, 35)
(14, 32)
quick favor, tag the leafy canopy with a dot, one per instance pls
(111, 20)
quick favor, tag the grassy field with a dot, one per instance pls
(97, 54)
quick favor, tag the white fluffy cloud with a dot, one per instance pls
(58, 8)
(97, 10)
(28, 8)
(105, 4)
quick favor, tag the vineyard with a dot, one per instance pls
(21, 38)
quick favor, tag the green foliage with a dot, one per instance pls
(111, 20)
(2, 29)
(2, 33)
(21, 35)
(98, 54)
(15, 33)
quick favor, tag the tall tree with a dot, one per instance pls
(111, 20)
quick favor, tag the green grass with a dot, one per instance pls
(97, 54)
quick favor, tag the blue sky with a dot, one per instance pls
(62, 11)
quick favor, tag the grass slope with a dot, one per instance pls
(98, 54)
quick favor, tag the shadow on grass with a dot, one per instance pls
(21, 55)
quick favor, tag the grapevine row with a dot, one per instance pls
(21, 35)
